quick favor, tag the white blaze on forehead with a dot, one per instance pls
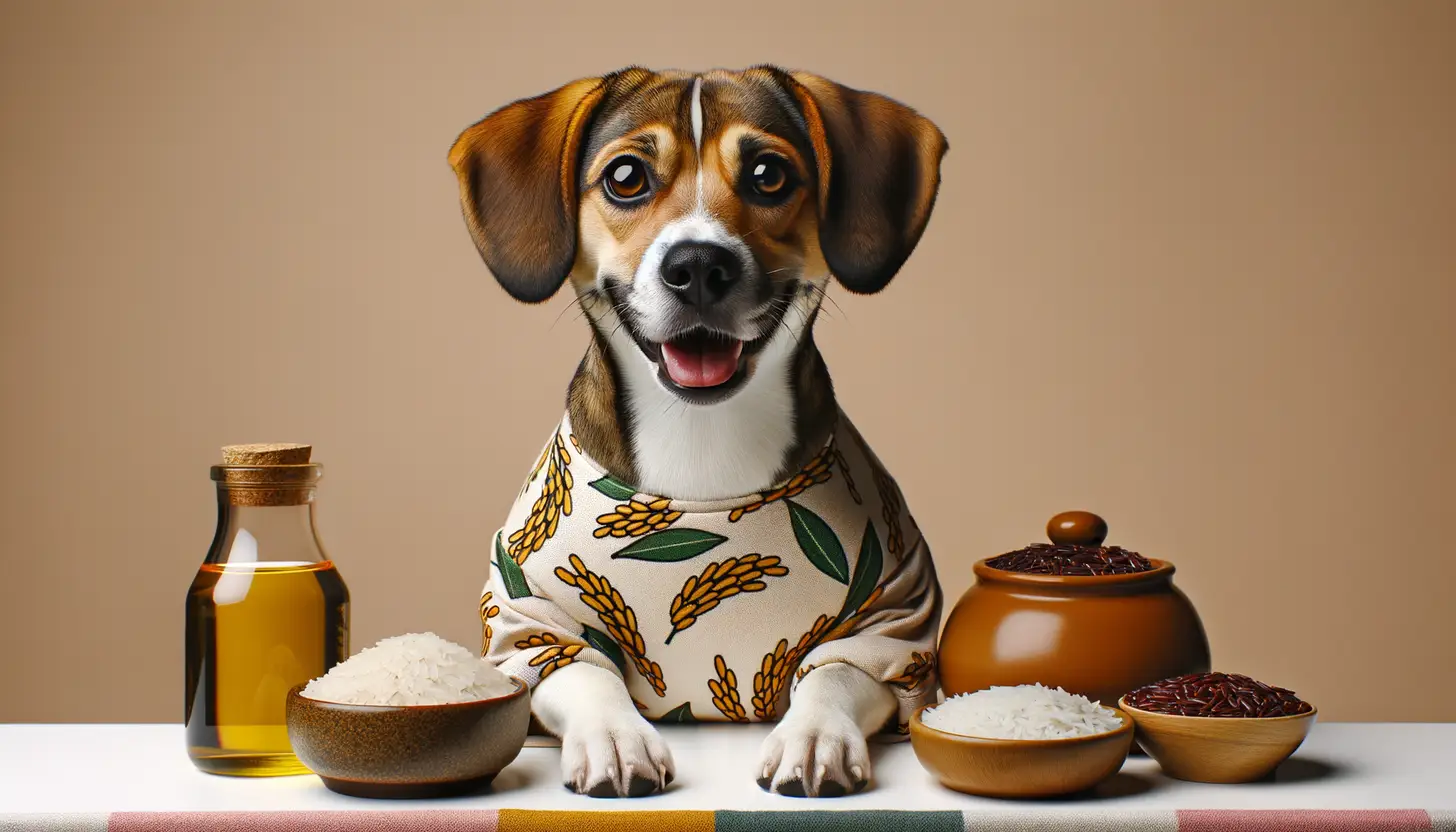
(697, 114)
(697, 119)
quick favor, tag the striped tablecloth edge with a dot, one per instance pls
(518, 820)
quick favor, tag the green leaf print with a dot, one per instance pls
(614, 488)
(510, 572)
(671, 545)
(682, 713)
(819, 543)
(603, 642)
(866, 572)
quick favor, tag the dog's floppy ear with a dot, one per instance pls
(879, 170)
(517, 169)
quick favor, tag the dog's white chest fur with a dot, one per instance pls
(704, 453)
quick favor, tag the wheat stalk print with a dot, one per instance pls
(621, 622)
(890, 511)
(554, 657)
(917, 673)
(487, 612)
(773, 674)
(774, 671)
(769, 681)
(718, 582)
(816, 471)
(553, 504)
(725, 692)
(635, 518)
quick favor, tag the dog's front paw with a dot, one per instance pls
(621, 757)
(815, 756)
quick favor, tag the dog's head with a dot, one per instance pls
(693, 212)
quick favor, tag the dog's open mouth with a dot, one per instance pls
(700, 364)
(701, 359)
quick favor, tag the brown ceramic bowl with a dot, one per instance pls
(403, 751)
(1203, 749)
(1100, 636)
(1020, 768)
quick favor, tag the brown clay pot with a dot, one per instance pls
(1100, 636)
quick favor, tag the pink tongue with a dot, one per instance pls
(696, 365)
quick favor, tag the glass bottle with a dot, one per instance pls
(267, 611)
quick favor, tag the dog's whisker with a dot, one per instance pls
(574, 302)
(784, 324)
(583, 304)
(824, 295)
(791, 300)
(831, 313)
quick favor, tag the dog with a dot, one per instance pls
(705, 536)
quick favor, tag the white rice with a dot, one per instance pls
(412, 669)
(1022, 712)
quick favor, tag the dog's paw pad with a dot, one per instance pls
(790, 788)
(605, 788)
(641, 786)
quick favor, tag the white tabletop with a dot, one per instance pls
(130, 768)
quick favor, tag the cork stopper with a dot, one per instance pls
(268, 474)
(277, 453)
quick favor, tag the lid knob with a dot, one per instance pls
(1077, 528)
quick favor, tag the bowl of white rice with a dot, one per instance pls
(1020, 741)
(413, 716)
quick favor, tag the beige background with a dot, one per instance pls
(1193, 268)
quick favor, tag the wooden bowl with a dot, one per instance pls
(1020, 768)
(1203, 749)
(408, 751)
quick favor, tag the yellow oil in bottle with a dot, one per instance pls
(255, 630)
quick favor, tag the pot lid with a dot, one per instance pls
(1075, 549)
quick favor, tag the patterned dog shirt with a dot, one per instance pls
(713, 611)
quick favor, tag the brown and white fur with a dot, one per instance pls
(860, 173)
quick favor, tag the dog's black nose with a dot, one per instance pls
(700, 273)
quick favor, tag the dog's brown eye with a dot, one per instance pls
(626, 179)
(769, 177)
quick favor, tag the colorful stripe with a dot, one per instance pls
(1228, 820)
(1019, 820)
(345, 821)
(838, 821)
(1008, 819)
(522, 820)
(55, 822)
